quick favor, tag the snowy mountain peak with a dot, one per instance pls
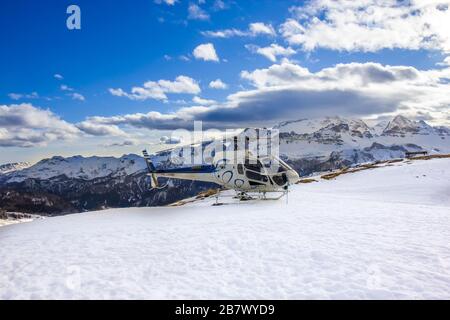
(319, 138)
(329, 125)
(15, 166)
(330, 131)
(402, 121)
(402, 125)
(79, 167)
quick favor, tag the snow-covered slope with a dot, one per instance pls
(16, 166)
(380, 233)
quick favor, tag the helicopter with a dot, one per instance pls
(241, 170)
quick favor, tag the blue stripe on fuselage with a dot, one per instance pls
(194, 169)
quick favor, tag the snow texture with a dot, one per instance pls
(376, 234)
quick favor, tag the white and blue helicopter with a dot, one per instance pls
(240, 170)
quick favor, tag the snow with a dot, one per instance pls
(79, 167)
(5, 222)
(15, 166)
(376, 234)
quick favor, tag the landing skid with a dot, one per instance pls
(245, 196)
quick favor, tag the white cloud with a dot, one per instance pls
(171, 140)
(370, 25)
(261, 28)
(64, 87)
(18, 96)
(276, 75)
(151, 119)
(352, 89)
(15, 96)
(23, 125)
(73, 95)
(340, 76)
(218, 84)
(272, 52)
(96, 129)
(219, 5)
(254, 29)
(158, 90)
(58, 76)
(226, 33)
(446, 62)
(168, 2)
(125, 143)
(197, 13)
(182, 84)
(206, 52)
(203, 102)
(77, 96)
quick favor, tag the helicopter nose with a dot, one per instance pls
(292, 176)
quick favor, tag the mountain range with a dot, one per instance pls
(65, 185)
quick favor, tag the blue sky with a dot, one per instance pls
(392, 57)
(121, 44)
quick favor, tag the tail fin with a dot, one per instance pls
(151, 169)
(150, 165)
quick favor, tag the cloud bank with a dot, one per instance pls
(23, 125)
(287, 90)
(282, 91)
(369, 25)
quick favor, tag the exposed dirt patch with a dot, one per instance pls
(435, 156)
(307, 181)
(207, 193)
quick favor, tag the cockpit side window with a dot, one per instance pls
(256, 176)
(253, 166)
(240, 169)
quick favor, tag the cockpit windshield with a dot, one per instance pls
(280, 179)
(273, 165)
